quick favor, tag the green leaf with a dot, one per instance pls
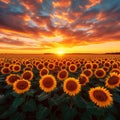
(2, 99)
(8, 113)
(43, 96)
(116, 97)
(86, 116)
(57, 100)
(18, 116)
(31, 92)
(110, 117)
(29, 106)
(17, 102)
(42, 112)
(68, 113)
(79, 101)
(94, 110)
(14, 94)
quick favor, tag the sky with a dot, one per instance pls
(50, 26)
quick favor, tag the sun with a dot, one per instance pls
(60, 52)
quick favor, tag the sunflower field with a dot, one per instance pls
(51, 87)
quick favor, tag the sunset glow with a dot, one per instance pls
(45, 26)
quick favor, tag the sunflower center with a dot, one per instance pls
(71, 85)
(63, 74)
(22, 85)
(87, 73)
(107, 64)
(50, 65)
(44, 72)
(27, 75)
(6, 70)
(94, 66)
(100, 95)
(88, 66)
(16, 68)
(72, 67)
(82, 79)
(12, 79)
(113, 80)
(40, 66)
(99, 73)
(48, 82)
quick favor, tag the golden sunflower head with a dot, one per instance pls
(100, 96)
(51, 66)
(116, 70)
(89, 65)
(71, 86)
(72, 68)
(115, 65)
(12, 78)
(107, 64)
(88, 72)
(39, 66)
(44, 71)
(83, 79)
(27, 75)
(21, 86)
(47, 83)
(99, 73)
(113, 80)
(95, 65)
(16, 68)
(5, 70)
(45, 63)
(106, 69)
(62, 75)
(27, 68)
(6, 64)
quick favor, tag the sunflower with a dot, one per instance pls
(63, 74)
(72, 68)
(99, 73)
(21, 86)
(51, 66)
(113, 80)
(68, 63)
(12, 78)
(116, 70)
(106, 69)
(83, 79)
(16, 68)
(107, 64)
(29, 65)
(88, 72)
(95, 65)
(39, 66)
(89, 65)
(44, 71)
(27, 68)
(45, 63)
(47, 83)
(115, 65)
(5, 70)
(100, 96)
(27, 75)
(11, 67)
(6, 64)
(71, 86)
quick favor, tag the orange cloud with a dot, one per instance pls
(92, 3)
(5, 1)
(61, 3)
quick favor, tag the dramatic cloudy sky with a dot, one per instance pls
(38, 26)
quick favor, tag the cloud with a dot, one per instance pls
(52, 23)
